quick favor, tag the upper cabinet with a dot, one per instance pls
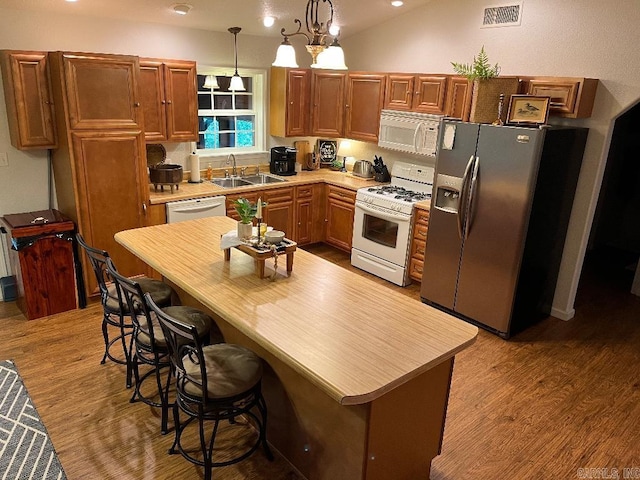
(92, 76)
(417, 93)
(458, 101)
(328, 90)
(364, 99)
(571, 97)
(289, 100)
(169, 100)
(27, 93)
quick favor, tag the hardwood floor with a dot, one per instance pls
(558, 397)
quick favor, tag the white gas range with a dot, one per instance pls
(382, 221)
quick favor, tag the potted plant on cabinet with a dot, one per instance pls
(487, 87)
(246, 211)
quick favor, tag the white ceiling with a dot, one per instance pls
(218, 15)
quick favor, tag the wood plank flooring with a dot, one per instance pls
(555, 398)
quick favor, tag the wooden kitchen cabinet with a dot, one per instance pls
(279, 212)
(309, 220)
(169, 100)
(418, 242)
(417, 93)
(570, 97)
(289, 102)
(100, 168)
(364, 100)
(102, 91)
(458, 100)
(27, 93)
(339, 217)
(328, 93)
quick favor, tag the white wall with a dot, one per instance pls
(579, 38)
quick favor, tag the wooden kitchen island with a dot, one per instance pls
(357, 376)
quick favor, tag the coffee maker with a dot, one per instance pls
(283, 161)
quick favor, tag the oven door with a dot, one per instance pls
(381, 233)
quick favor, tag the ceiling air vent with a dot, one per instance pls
(502, 15)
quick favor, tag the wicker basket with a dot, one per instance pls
(486, 95)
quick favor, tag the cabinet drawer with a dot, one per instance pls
(341, 194)
(280, 195)
(422, 217)
(415, 269)
(417, 249)
(304, 191)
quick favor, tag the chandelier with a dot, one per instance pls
(323, 46)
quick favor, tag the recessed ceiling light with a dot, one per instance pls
(71, 1)
(397, 3)
(182, 8)
(268, 21)
(334, 30)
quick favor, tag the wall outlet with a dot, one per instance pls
(4, 159)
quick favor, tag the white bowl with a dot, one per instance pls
(273, 236)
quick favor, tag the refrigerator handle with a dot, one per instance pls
(463, 198)
(472, 194)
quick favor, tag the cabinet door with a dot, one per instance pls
(430, 94)
(230, 199)
(365, 96)
(181, 98)
(27, 92)
(328, 90)
(340, 213)
(458, 103)
(279, 212)
(102, 91)
(298, 89)
(112, 192)
(399, 92)
(153, 100)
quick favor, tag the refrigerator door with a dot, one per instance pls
(500, 203)
(444, 242)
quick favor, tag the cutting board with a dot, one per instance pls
(302, 146)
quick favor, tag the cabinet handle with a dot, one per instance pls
(168, 102)
(163, 102)
(137, 104)
(144, 208)
(422, 233)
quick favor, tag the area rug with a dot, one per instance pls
(26, 452)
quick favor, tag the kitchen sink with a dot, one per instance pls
(262, 178)
(231, 182)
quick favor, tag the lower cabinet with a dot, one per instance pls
(339, 217)
(418, 242)
(279, 212)
(230, 198)
(310, 216)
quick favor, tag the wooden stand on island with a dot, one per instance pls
(261, 254)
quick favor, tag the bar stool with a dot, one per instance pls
(149, 341)
(113, 313)
(213, 383)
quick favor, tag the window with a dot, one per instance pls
(231, 122)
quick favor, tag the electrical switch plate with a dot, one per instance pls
(4, 160)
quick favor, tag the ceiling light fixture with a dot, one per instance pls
(324, 52)
(211, 81)
(236, 81)
(268, 21)
(397, 3)
(182, 8)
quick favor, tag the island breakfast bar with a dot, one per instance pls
(356, 377)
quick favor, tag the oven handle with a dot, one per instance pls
(384, 215)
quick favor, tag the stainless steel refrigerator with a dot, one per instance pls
(501, 203)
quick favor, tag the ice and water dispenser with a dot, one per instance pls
(447, 196)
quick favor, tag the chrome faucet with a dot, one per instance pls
(234, 170)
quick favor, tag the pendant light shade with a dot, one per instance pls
(286, 55)
(331, 58)
(211, 81)
(237, 85)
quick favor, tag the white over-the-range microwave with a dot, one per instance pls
(409, 132)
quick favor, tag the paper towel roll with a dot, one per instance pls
(194, 166)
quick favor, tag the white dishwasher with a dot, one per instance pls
(182, 210)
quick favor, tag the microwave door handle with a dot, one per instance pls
(472, 194)
(463, 199)
(415, 138)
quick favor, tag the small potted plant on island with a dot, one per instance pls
(487, 87)
(246, 211)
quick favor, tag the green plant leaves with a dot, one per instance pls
(480, 68)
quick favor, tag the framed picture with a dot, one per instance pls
(528, 110)
(327, 151)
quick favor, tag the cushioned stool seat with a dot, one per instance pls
(161, 292)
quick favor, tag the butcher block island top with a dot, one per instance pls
(345, 333)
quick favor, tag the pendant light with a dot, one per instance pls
(237, 84)
(211, 81)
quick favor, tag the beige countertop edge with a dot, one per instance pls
(188, 190)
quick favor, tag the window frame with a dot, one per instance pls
(258, 111)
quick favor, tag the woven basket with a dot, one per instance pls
(486, 96)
